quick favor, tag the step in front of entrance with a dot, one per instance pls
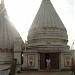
(52, 70)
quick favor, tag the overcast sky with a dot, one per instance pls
(22, 14)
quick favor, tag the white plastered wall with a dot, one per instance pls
(18, 50)
(6, 58)
(63, 60)
(17, 55)
(25, 57)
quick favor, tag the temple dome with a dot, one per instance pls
(47, 27)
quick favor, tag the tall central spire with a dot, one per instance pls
(47, 25)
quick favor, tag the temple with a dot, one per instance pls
(47, 38)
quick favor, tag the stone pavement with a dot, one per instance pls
(43, 73)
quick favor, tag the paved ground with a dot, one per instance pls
(43, 73)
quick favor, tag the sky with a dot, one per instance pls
(23, 12)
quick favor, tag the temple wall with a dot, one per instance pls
(6, 58)
(17, 55)
(30, 57)
(17, 50)
(66, 60)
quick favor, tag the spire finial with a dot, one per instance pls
(46, 0)
(2, 1)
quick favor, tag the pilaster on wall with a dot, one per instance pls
(18, 45)
(18, 49)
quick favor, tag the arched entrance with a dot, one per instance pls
(54, 57)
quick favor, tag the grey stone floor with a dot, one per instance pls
(43, 73)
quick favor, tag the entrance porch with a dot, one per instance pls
(54, 57)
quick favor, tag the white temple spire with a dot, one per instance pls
(47, 20)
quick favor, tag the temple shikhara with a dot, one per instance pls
(47, 38)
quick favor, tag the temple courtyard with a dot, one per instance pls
(43, 73)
